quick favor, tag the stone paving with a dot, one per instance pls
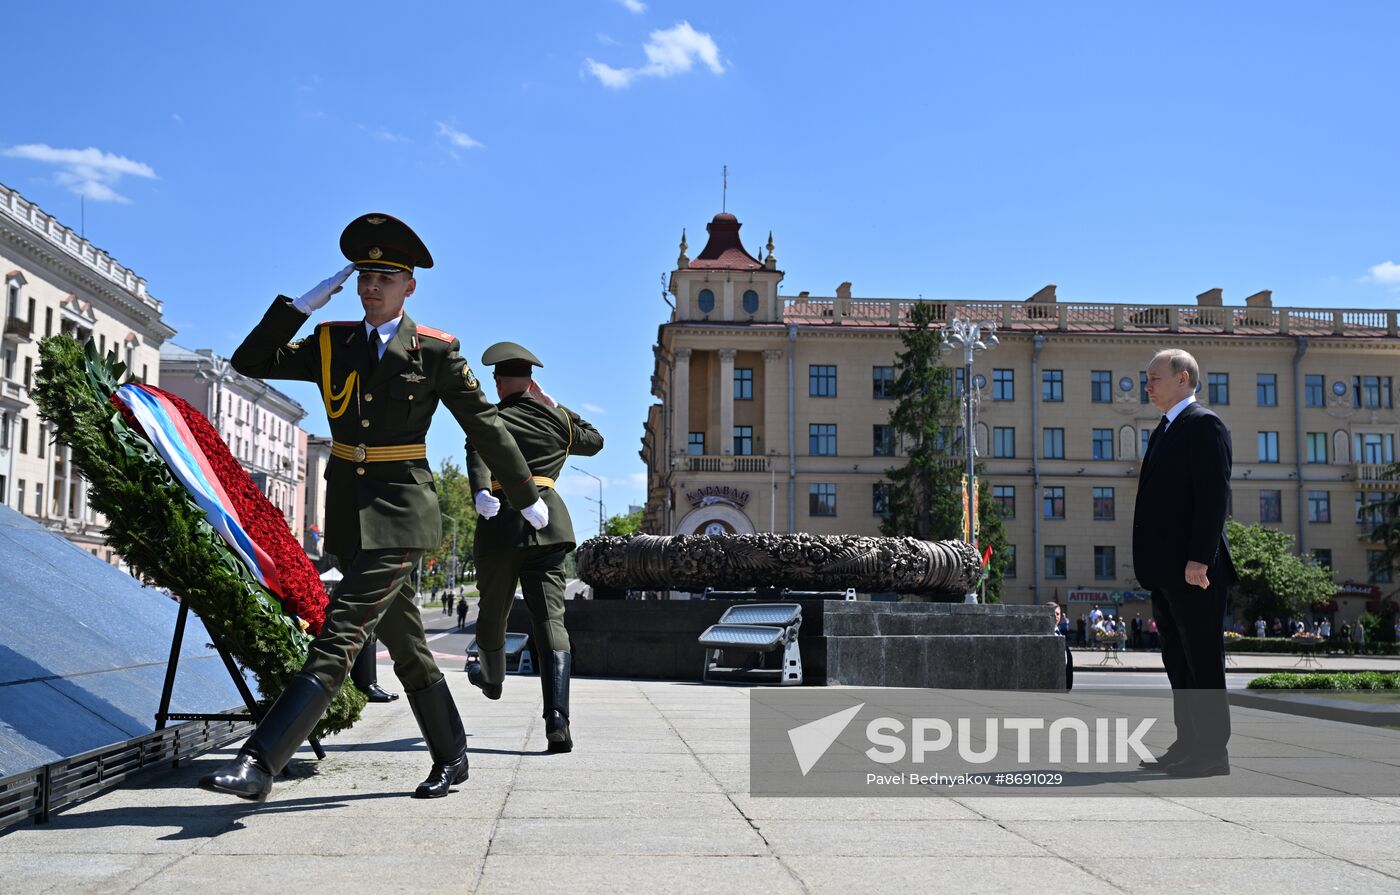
(654, 799)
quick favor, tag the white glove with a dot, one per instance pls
(537, 514)
(322, 291)
(486, 505)
(539, 394)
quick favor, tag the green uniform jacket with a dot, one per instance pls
(547, 437)
(386, 504)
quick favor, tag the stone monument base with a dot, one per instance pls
(865, 644)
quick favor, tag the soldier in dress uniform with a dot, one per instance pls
(508, 551)
(381, 378)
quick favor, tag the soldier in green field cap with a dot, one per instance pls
(381, 379)
(508, 551)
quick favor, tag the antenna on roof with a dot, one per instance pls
(663, 292)
(724, 202)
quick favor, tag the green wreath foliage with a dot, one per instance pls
(156, 526)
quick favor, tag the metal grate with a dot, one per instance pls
(38, 792)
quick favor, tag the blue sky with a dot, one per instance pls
(550, 153)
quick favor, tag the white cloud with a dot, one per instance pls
(1387, 273)
(592, 408)
(384, 135)
(669, 53)
(178, 118)
(458, 139)
(637, 7)
(639, 479)
(87, 172)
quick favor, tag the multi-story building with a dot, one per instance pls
(256, 421)
(318, 457)
(773, 414)
(58, 282)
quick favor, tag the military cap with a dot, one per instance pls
(380, 242)
(510, 359)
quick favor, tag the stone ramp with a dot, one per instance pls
(83, 651)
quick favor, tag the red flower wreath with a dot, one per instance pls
(303, 595)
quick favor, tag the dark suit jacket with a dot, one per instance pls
(1183, 496)
(547, 436)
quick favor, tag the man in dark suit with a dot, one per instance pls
(508, 551)
(382, 378)
(1180, 553)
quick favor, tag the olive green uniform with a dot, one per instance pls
(381, 514)
(507, 550)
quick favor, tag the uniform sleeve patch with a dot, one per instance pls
(469, 378)
(435, 333)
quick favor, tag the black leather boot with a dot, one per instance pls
(488, 672)
(447, 740)
(286, 725)
(365, 675)
(554, 676)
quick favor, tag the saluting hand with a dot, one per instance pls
(539, 394)
(322, 291)
(1196, 574)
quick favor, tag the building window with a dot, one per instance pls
(750, 301)
(821, 380)
(883, 437)
(12, 309)
(1377, 567)
(48, 322)
(821, 439)
(29, 372)
(5, 430)
(1322, 557)
(10, 364)
(880, 498)
(1005, 498)
(1371, 392)
(695, 448)
(1054, 561)
(882, 382)
(41, 443)
(1319, 506)
(38, 499)
(1003, 385)
(1142, 387)
(33, 307)
(1101, 386)
(821, 499)
(743, 441)
(1370, 508)
(1004, 441)
(1103, 444)
(1146, 439)
(23, 435)
(1009, 552)
(1218, 388)
(19, 495)
(1317, 447)
(1271, 506)
(1054, 502)
(1105, 563)
(1314, 390)
(743, 383)
(1052, 385)
(1268, 447)
(1053, 444)
(1375, 447)
(706, 301)
(1104, 503)
(1266, 389)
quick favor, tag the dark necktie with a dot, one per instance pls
(1155, 437)
(373, 349)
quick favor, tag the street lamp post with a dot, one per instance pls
(600, 494)
(970, 337)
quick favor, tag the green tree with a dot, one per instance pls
(455, 500)
(925, 494)
(623, 525)
(1386, 532)
(1274, 580)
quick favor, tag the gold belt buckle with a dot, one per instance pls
(360, 453)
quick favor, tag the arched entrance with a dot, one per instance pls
(717, 518)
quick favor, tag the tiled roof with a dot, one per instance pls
(724, 250)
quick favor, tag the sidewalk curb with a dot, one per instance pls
(1310, 705)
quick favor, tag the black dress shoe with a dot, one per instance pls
(488, 672)
(554, 678)
(245, 777)
(1170, 757)
(1200, 767)
(442, 777)
(376, 693)
(446, 738)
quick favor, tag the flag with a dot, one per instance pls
(987, 556)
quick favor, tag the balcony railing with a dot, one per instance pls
(714, 463)
(17, 328)
(1373, 475)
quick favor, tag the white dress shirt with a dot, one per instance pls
(380, 336)
(1171, 414)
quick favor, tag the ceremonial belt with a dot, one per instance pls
(359, 453)
(541, 481)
